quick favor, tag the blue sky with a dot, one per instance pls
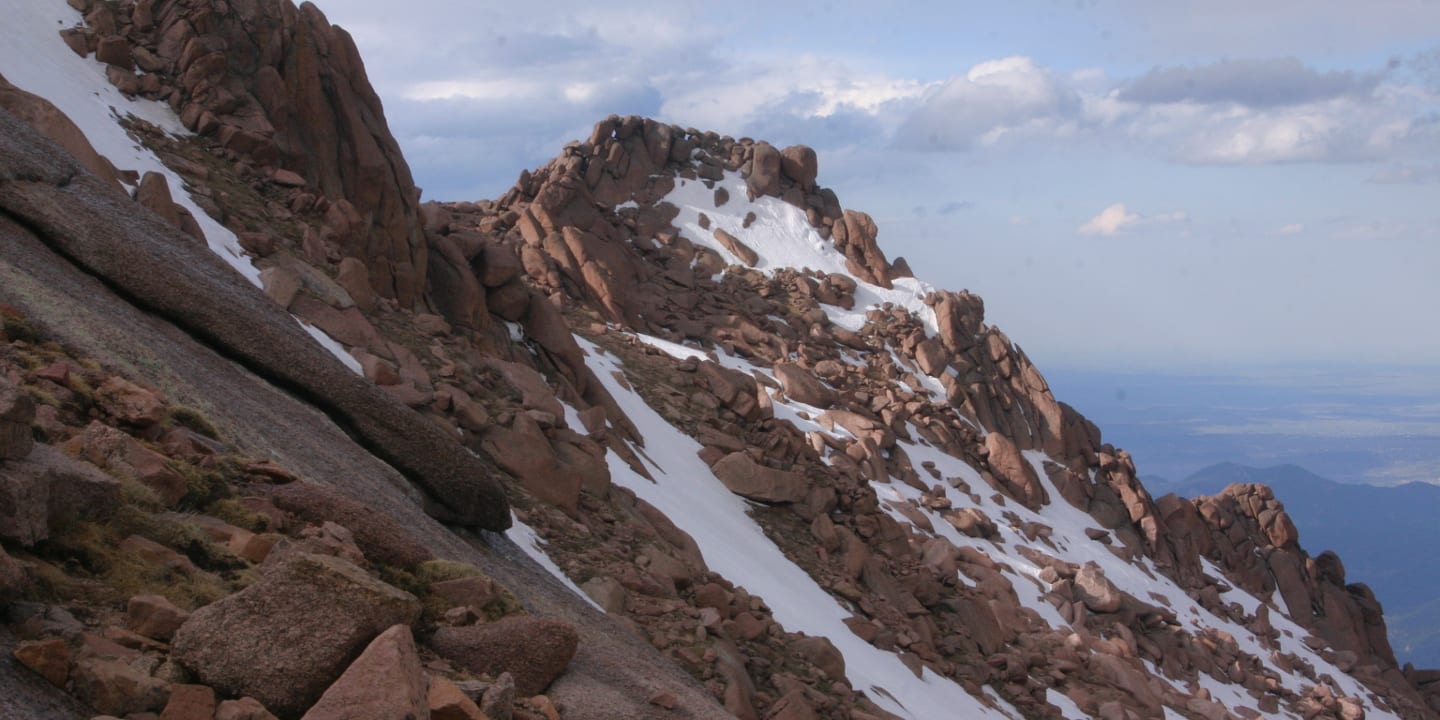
(1205, 185)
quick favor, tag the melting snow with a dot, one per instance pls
(1068, 541)
(35, 59)
(734, 546)
(529, 541)
(333, 347)
(782, 238)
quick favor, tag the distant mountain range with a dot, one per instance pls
(1387, 536)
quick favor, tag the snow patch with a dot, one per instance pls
(782, 238)
(734, 545)
(528, 540)
(35, 59)
(333, 347)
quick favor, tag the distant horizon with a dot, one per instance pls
(1378, 425)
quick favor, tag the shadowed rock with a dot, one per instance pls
(98, 230)
(534, 650)
(284, 639)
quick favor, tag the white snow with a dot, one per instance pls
(783, 238)
(35, 59)
(733, 545)
(333, 347)
(528, 540)
(1068, 709)
(1139, 578)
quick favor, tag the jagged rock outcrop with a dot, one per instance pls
(281, 88)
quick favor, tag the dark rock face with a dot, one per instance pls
(284, 88)
(82, 219)
(17, 411)
(42, 115)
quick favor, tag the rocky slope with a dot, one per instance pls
(1384, 534)
(661, 432)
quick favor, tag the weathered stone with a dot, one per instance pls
(243, 709)
(115, 688)
(448, 702)
(972, 522)
(854, 235)
(607, 592)
(125, 456)
(800, 164)
(378, 535)
(154, 617)
(475, 591)
(115, 50)
(523, 450)
(499, 699)
(793, 705)
(48, 485)
(49, 658)
(153, 194)
(17, 412)
(189, 702)
(281, 284)
(801, 385)
(1096, 590)
(747, 478)
(931, 356)
(129, 403)
(307, 616)
(385, 682)
(736, 247)
(819, 651)
(355, 278)
(1014, 472)
(48, 120)
(534, 650)
(764, 177)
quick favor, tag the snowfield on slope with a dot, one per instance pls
(35, 59)
(734, 545)
(782, 238)
(1068, 542)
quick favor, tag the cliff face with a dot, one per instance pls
(280, 88)
(775, 475)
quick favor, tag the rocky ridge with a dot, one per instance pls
(906, 456)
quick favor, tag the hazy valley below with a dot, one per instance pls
(1376, 425)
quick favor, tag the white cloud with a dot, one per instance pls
(1111, 220)
(993, 101)
(1252, 82)
(1292, 229)
(1116, 219)
(1240, 112)
(735, 98)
